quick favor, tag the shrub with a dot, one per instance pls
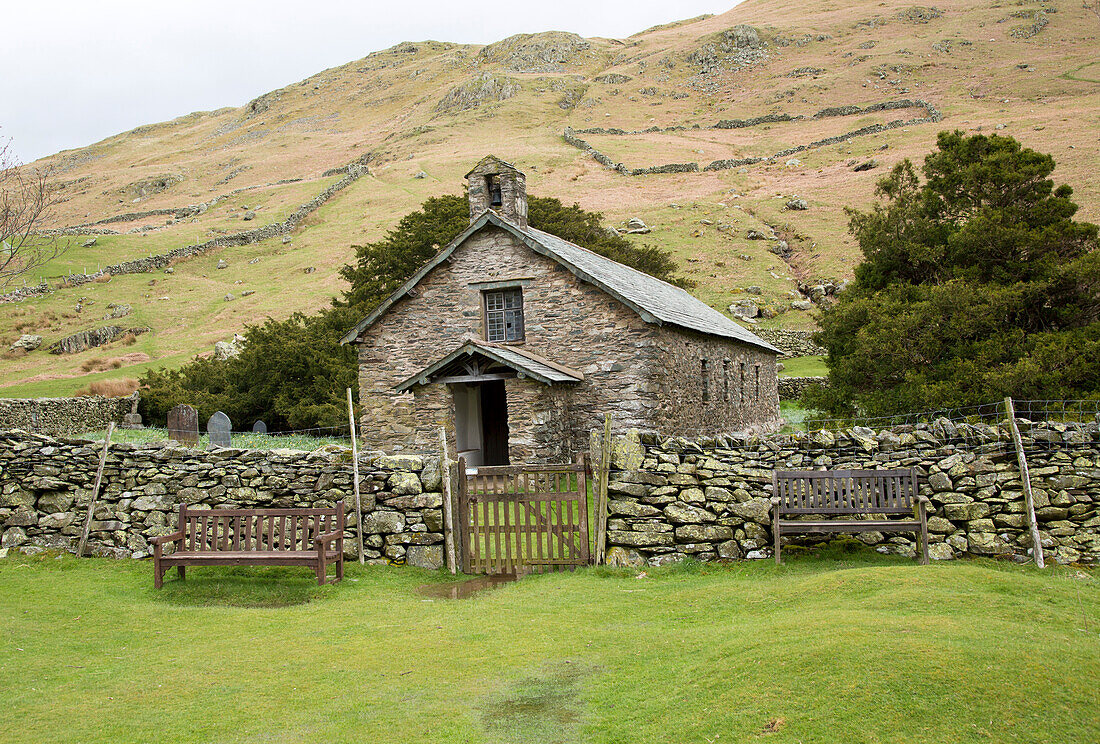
(118, 388)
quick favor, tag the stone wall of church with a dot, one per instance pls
(707, 385)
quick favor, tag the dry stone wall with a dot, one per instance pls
(354, 172)
(46, 483)
(791, 388)
(791, 343)
(931, 115)
(64, 416)
(709, 498)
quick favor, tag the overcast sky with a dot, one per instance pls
(74, 72)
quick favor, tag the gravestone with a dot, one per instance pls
(218, 427)
(132, 421)
(183, 425)
(259, 428)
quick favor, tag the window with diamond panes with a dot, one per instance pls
(504, 315)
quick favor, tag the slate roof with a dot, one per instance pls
(654, 300)
(530, 364)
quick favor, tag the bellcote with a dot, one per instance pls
(499, 186)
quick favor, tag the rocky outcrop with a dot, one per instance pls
(483, 88)
(551, 51)
(78, 342)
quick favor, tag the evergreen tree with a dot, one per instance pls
(975, 284)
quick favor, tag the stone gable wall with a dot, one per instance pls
(644, 375)
(709, 498)
(46, 483)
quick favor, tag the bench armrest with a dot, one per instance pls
(924, 499)
(328, 537)
(174, 537)
(774, 500)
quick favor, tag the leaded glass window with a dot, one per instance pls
(504, 315)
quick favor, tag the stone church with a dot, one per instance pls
(518, 343)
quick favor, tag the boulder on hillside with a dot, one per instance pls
(27, 342)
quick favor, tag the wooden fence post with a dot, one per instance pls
(601, 491)
(95, 492)
(448, 507)
(355, 479)
(1029, 500)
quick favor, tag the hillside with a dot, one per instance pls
(405, 123)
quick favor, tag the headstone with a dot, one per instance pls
(259, 428)
(132, 421)
(183, 425)
(218, 427)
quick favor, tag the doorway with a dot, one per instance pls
(481, 422)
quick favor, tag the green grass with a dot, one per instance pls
(838, 646)
(245, 440)
(794, 414)
(807, 366)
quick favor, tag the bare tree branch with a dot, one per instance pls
(27, 199)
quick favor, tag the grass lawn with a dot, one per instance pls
(807, 366)
(835, 647)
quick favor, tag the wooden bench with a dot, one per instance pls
(254, 537)
(867, 493)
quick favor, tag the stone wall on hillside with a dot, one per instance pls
(791, 388)
(46, 484)
(791, 343)
(931, 115)
(64, 416)
(709, 498)
(354, 171)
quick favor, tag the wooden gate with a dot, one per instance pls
(523, 518)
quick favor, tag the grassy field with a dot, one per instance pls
(841, 646)
(808, 366)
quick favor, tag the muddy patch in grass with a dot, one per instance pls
(544, 707)
(464, 589)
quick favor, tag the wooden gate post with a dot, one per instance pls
(1029, 499)
(601, 491)
(448, 506)
(95, 492)
(463, 513)
(355, 480)
(582, 492)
